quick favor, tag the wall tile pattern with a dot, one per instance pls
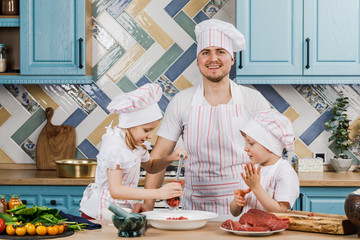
(140, 41)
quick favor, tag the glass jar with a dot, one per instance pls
(10, 7)
(2, 58)
(14, 201)
(3, 204)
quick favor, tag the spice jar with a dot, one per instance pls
(2, 58)
(3, 204)
(14, 201)
(10, 7)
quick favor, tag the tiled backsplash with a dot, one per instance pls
(141, 41)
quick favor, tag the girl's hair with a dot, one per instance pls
(130, 142)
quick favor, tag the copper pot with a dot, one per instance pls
(76, 168)
(352, 209)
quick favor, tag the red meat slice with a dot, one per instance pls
(258, 218)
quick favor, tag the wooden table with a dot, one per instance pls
(210, 231)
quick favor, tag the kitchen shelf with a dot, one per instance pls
(9, 21)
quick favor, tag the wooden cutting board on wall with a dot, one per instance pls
(54, 142)
(318, 222)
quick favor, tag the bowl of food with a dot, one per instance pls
(178, 219)
(76, 168)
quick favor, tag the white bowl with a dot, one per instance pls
(196, 219)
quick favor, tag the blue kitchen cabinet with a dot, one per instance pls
(323, 199)
(299, 41)
(65, 198)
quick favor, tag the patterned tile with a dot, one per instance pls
(135, 30)
(302, 150)
(164, 62)
(75, 118)
(16, 153)
(107, 61)
(214, 6)
(312, 97)
(175, 6)
(95, 136)
(169, 90)
(273, 97)
(181, 63)
(186, 23)
(57, 93)
(87, 149)
(201, 16)
(136, 6)
(24, 98)
(98, 6)
(182, 83)
(117, 7)
(194, 6)
(40, 96)
(4, 115)
(119, 68)
(155, 31)
(29, 126)
(80, 97)
(97, 95)
(316, 128)
(29, 148)
(126, 85)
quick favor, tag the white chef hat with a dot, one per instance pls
(214, 32)
(271, 129)
(137, 107)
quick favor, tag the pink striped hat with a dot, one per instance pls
(214, 32)
(137, 107)
(271, 129)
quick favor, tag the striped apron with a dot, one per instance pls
(267, 183)
(216, 156)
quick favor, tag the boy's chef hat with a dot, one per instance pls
(137, 107)
(214, 32)
(271, 129)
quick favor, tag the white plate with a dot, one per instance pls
(252, 234)
(196, 219)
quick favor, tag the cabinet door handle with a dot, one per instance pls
(307, 53)
(53, 202)
(80, 53)
(301, 201)
(240, 60)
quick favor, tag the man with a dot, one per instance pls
(208, 118)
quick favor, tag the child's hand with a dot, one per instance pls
(170, 190)
(178, 151)
(239, 197)
(252, 175)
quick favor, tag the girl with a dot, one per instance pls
(124, 149)
(274, 185)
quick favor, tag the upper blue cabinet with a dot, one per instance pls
(299, 41)
(48, 43)
(52, 38)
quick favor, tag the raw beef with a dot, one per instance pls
(257, 221)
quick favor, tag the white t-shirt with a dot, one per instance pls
(177, 114)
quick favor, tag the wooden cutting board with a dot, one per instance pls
(318, 222)
(54, 143)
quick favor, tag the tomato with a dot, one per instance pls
(30, 229)
(10, 229)
(20, 231)
(61, 229)
(2, 225)
(52, 230)
(41, 230)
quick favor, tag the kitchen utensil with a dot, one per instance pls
(128, 224)
(54, 143)
(318, 222)
(177, 177)
(76, 168)
(196, 219)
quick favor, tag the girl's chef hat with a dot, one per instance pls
(214, 32)
(271, 129)
(137, 107)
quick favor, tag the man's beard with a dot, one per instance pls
(215, 79)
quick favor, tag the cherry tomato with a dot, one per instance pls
(2, 225)
(10, 229)
(20, 231)
(30, 229)
(61, 229)
(52, 230)
(41, 230)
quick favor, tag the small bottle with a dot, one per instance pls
(2, 58)
(14, 201)
(3, 204)
(10, 7)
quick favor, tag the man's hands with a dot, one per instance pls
(252, 176)
(177, 152)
